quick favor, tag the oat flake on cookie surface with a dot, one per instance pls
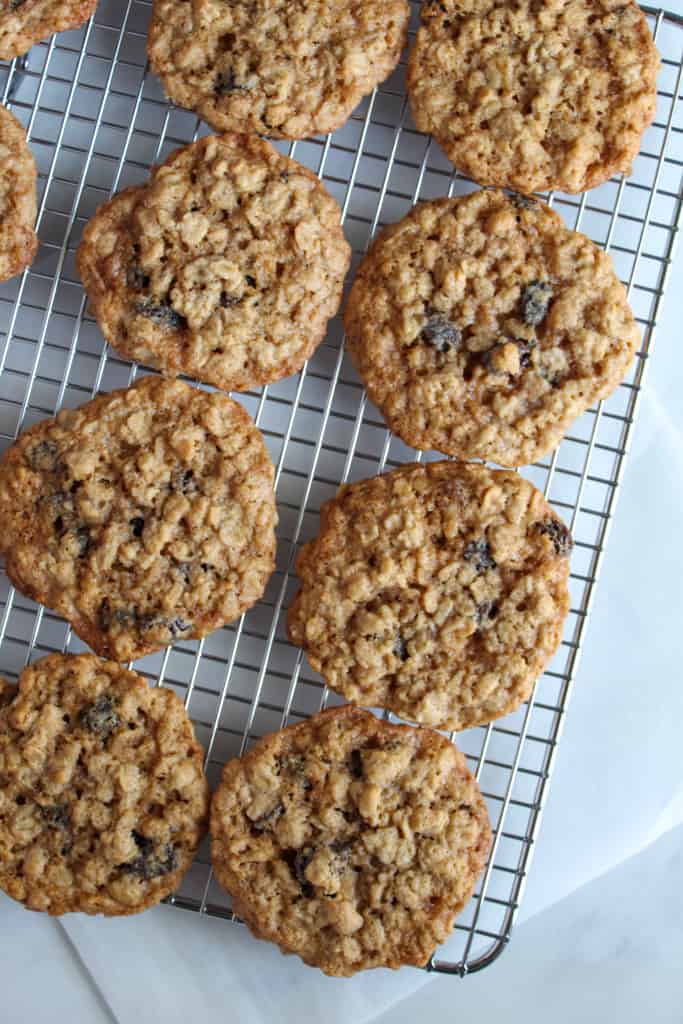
(226, 265)
(273, 67)
(103, 799)
(535, 94)
(143, 517)
(483, 327)
(350, 841)
(438, 590)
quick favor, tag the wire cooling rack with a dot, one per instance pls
(97, 119)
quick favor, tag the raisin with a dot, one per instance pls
(284, 175)
(485, 612)
(162, 315)
(109, 616)
(479, 552)
(267, 820)
(179, 626)
(44, 457)
(229, 300)
(553, 377)
(14, 5)
(83, 540)
(251, 281)
(184, 570)
(535, 300)
(183, 480)
(174, 626)
(136, 278)
(57, 816)
(137, 525)
(153, 861)
(301, 862)
(356, 764)
(341, 847)
(523, 202)
(559, 535)
(297, 862)
(227, 83)
(101, 717)
(400, 649)
(441, 334)
(525, 348)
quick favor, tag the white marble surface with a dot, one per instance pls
(600, 932)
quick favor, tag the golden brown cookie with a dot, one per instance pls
(226, 266)
(273, 67)
(103, 799)
(537, 94)
(438, 590)
(483, 327)
(25, 22)
(18, 240)
(349, 841)
(144, 517)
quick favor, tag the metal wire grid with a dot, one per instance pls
(96, 121)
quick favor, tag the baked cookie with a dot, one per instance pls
(144, 517)
(272, 67)
(538, 94)
(103, 799)
(25, 22)
(349, 841)
(226, 266)
(438, 590)
(483, 327)
(18, 240)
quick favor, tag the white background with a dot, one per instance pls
(600, 932)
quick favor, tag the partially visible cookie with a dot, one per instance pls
(18, 240)
(144, 517)
(438, 590)
(538, 94)
(226, 266)
(272, 67)
(25, 22)
(349, 841)
(483, 327)
(103, 799)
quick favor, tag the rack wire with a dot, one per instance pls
(97, 120)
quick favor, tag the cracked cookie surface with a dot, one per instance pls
(438, 590)
(535, 95)
(103, 799)
(226, 266)
(483, 327)
(25, 22)
(18, 240)
(272, 67)
(349, 841)
(144, 517)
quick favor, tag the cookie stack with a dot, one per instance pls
(481, 327)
